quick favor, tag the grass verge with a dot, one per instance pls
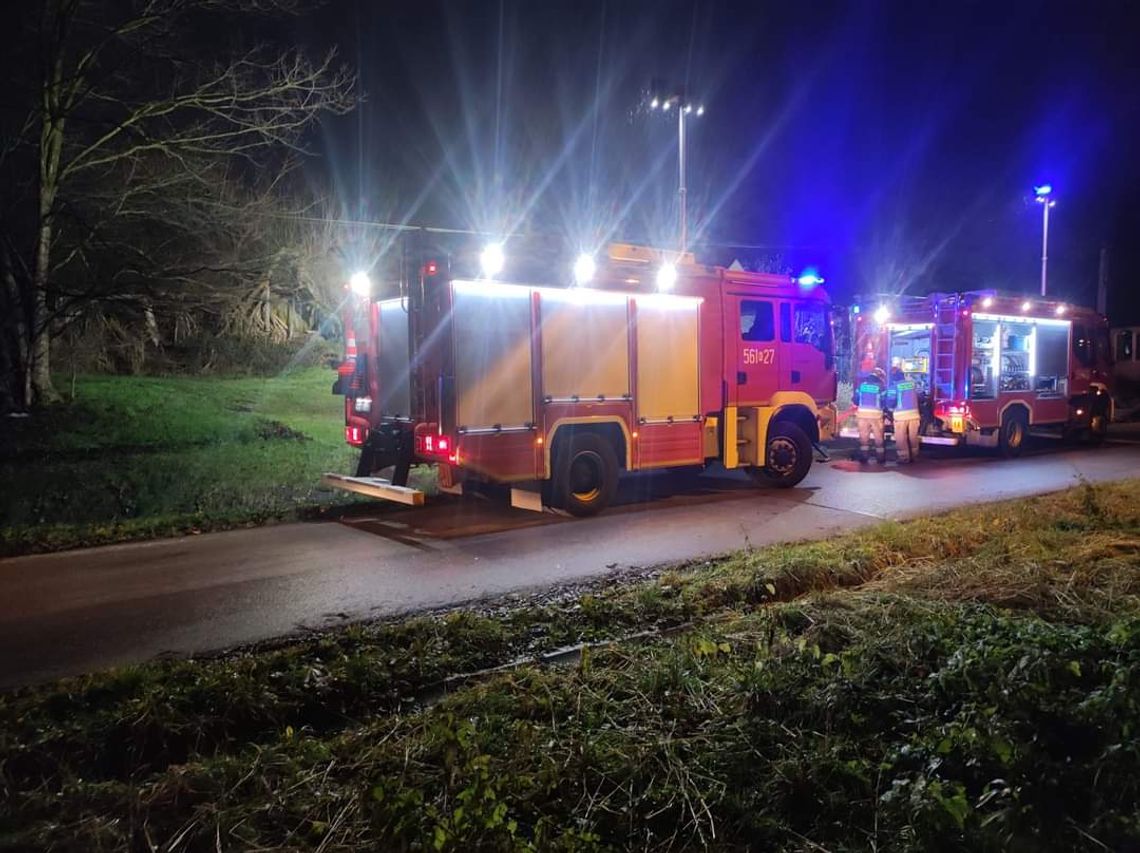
(967, 681)
(137, 457)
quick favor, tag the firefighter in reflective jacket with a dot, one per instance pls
(903, 397)
(869, 415)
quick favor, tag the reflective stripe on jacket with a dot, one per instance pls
(869, 401)
(906, 400)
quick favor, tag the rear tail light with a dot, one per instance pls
(435, 445)
(355, 435)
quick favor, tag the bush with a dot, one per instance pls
(200, 354)
(229, 355)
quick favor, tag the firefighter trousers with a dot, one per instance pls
(870, 434)
(907, 441)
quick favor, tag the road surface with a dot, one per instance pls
(80, 611)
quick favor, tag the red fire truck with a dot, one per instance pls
(992, 368)
(650, 360)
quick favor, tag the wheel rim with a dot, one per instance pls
(782, 455)
(586, 477)
(1014, 433)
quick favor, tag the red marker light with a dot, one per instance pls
(431, 268)
(444, 444)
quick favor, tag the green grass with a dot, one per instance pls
(963, 682)
(140, 456)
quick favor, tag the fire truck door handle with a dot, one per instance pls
(795, 376)
(741, 377)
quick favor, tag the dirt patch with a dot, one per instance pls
(277, 431)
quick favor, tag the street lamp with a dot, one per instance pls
(1044, 196)
(685, 108)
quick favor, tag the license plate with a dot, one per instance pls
(956, 424)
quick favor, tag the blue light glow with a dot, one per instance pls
(809, 278)
(1043, 190)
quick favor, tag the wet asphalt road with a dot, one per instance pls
(81, 611)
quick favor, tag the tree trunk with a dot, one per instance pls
(40, 374)
(40, 325)
(14, 340)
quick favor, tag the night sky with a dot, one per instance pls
(892, 145)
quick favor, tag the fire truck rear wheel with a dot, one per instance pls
(787, 457)
(585, 475)
(1014, 428)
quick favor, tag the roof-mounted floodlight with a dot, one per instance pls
(584, 269)
(492, 259)
(360, 283)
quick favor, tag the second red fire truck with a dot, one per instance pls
(642, 360)
(992, 368)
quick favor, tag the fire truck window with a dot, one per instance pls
(785, 322)
(812, 326)
(757, 321)
(1124, 345)
(984, 360)
(1082, 345)
(1050, 360)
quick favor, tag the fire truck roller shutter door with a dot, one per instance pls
(585, 344)
(667, 358)
(492, 325)
(392, 364)
(668, 382)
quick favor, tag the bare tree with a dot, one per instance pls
(136, 104)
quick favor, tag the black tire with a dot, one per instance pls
(1014, 431)
(585, 475)
(787, 455)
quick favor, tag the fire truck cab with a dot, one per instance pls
(555, 388)
(992, 368)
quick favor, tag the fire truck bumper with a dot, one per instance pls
(374, 487)
(947, 440)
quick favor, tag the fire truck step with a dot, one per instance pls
(374, 487)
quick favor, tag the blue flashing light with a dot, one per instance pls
(809, 278)
(855, 310)
(1043, 190)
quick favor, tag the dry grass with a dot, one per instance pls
(1073, 556)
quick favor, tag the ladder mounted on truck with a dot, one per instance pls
(945, 354)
